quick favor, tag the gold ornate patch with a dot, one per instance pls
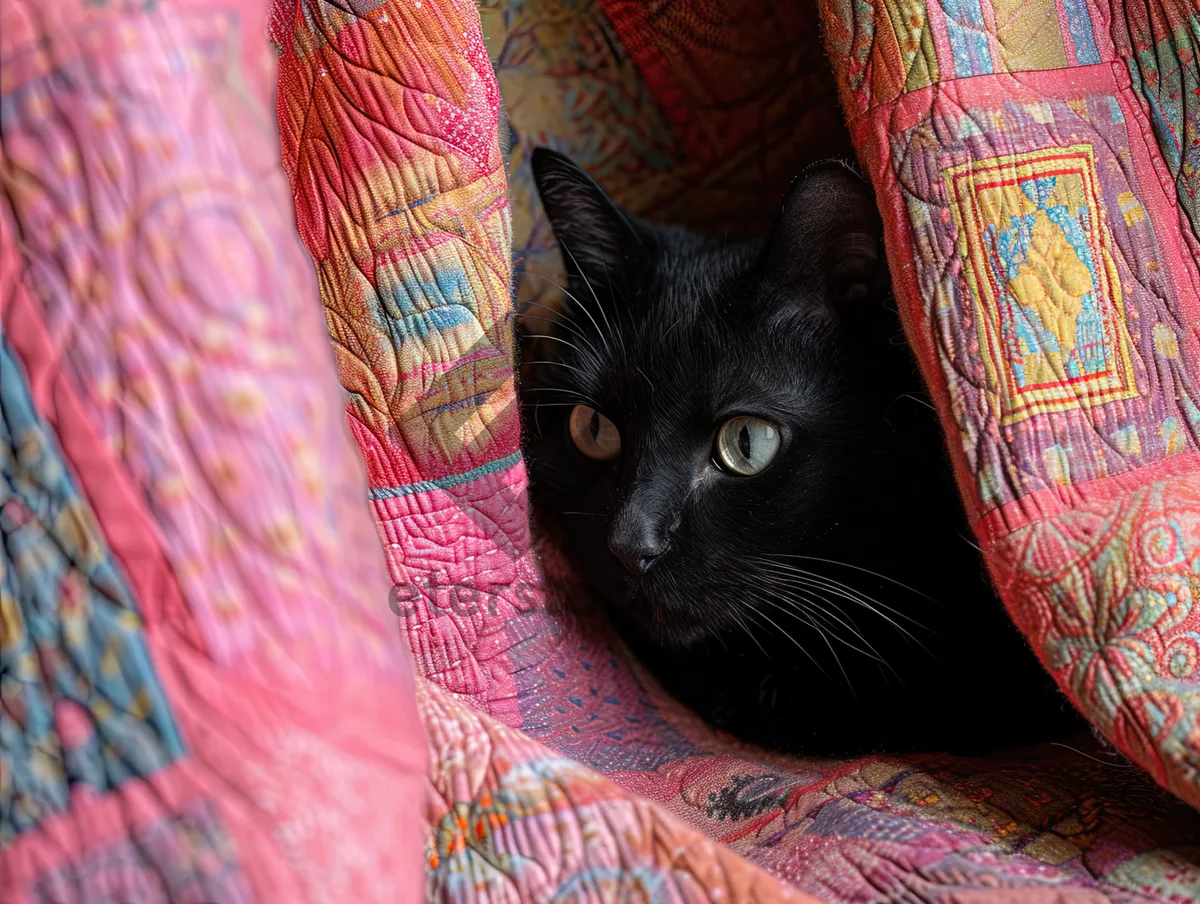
(1036, 253)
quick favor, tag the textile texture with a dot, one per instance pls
(1037, 172)
(201, 697)
(208, 689)
(551, 749)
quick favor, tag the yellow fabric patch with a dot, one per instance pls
(1131, 208)
(914, 44)
(1037, 260)
(1029, 34)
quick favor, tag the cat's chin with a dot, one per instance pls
(666, 609)
(667, 629)
(677, 636)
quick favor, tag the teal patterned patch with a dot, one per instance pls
(80, 702)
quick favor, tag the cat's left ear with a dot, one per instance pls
(828, 240)
(598, 240)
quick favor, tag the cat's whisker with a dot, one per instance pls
(915, 398)
(559, 316)
(825, 580)
(596, 298)
(533, 337)
(801, 613)
(581, 305)
(841, 667)
(569, 390)
(623, 308)
(970, 542)
(856, 632)
(882, 577)
(812, 580)
(592, 352)
(824, 616)
(553, 321)
(577, 397)
(827, 615)
(537, 422)
(847, 593)
(558, 286)
(567, 292)
(776, 625)
(740, 622)
(563, 365)
(795, 611)
(570, 345)
(865, 603)
(825, 639)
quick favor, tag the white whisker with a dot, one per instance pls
(740, 622)
(583, 307)
(827, 615)
(830, 583)
(882, 577)
(775, 624)
(811, 580)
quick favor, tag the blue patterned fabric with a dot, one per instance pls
(81, 703)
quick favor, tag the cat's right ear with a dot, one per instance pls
(597, 240)
(827, 244)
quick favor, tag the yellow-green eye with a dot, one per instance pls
(746, 445)
(593, 434)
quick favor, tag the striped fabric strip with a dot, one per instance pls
(444, 483)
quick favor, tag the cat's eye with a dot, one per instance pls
(593, 434)
(746, 445)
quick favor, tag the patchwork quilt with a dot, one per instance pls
(222, 682)
(1038, 174)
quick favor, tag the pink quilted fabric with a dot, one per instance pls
(204, 699)
(396, 170)
(1038, 183)
(204, 694)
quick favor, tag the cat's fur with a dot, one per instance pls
(832, 604)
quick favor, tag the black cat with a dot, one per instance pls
(736, 449)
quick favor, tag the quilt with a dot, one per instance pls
(268, 636)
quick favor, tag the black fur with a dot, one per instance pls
(832, 604)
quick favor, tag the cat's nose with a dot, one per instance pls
(637, 541)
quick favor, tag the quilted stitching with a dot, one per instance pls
(558, 768)
(1038, 221)
(514, 679)
(163, 317)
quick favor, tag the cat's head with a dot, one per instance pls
(703, 410)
